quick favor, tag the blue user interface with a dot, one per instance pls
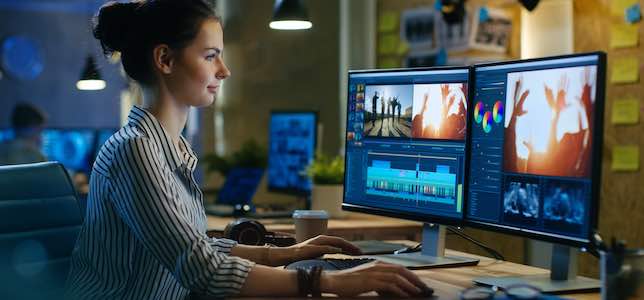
(73, 148)
(5, 135)
(102, 135)
(405, 143)
(532, 141)
(292, 141)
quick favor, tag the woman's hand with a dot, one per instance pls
(311, 248)
(385, 279)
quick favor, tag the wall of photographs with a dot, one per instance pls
(413, 33)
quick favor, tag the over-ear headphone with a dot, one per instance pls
(252, 232)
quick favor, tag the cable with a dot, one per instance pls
(489, 250)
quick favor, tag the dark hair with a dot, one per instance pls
(135, 28)
(26, 116)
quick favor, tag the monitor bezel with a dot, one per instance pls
(598, 124)
(291, 191)
(426, 218)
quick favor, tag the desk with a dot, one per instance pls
(354, 227)
(447, 283)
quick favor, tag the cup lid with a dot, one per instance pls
(311, 214)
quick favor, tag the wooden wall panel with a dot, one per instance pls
(622, 194)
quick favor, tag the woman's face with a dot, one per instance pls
(199, 68)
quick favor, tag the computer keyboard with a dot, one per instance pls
(329, 264)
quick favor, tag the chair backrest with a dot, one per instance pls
(39, 224)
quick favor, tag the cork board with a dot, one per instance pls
(622, 193)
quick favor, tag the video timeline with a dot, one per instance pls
(413, 177)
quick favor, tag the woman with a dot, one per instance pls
(144, 232)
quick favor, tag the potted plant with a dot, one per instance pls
(251, 155)
(327, 174)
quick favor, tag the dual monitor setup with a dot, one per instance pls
(512, 147)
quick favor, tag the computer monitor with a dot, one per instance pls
(535, 159)
(240, 186)
(102, 135)
(71, 147)
(405, 152)
(6, 134)
(292, 141)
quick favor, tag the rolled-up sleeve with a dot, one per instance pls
(222, 245)
(147, 200)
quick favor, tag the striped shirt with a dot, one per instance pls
(144, 234)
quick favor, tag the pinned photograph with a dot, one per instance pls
(419, 28)
(491, 30)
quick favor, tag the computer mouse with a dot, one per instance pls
(427, 292)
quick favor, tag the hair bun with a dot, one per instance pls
(112, 25)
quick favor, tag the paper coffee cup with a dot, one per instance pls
(309, 223)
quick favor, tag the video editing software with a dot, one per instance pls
(406, 133)
(532, 146)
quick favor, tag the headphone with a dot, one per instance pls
(252, 232)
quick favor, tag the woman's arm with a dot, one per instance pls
(144, 197)
(383, 278)
(279, 256)
(267, 281)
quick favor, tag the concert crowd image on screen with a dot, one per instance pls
(521, 201)
(548, 122)
(564, 206)
(440, 111)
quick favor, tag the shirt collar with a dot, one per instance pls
(176, 155)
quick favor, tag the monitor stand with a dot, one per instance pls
(563, 275)
(432, 254)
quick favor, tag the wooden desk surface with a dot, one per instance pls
(449, 282)
(355, 226)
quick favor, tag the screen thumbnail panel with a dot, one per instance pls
(536, 126)
(405, 143)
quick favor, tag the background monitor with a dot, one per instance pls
(536, 141)
(74, 148)
(240, 186)
(405, 148)
(6, 134)
(292, 142)
(102, 135)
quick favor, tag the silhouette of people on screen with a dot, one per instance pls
(450, 125)
(566, 154)
(382, 108)
(374, 101)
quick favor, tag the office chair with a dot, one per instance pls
(39, 222)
